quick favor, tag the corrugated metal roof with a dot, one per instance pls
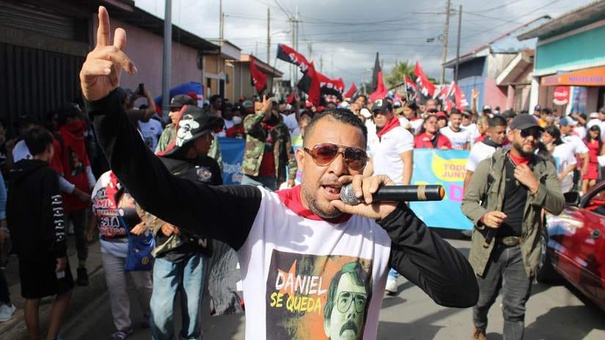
(578, 17)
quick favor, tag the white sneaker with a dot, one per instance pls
(6, 312)
(391, 287)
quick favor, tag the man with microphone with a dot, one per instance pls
(505, 199)
(290, 244)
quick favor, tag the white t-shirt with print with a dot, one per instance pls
(275, 255)
(151, 132)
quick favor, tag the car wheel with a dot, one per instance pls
(546, 272)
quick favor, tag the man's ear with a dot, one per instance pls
(300, 157)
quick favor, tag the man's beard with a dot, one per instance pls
(311, 200)
(519, 148)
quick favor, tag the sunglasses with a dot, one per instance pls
(534, 132)
(324, 153)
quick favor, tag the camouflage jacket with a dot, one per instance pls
(256, 135)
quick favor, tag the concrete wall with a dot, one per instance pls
(146, 50)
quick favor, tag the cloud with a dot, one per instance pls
(344, 36)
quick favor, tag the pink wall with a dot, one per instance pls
(146, 50)
(494, 95)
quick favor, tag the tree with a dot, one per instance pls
(401, 69)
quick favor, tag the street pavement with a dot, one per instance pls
(554, 312)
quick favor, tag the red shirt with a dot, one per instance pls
(425, 141)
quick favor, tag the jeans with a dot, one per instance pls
(4, 293)
(505, 270)
(269, 182)
(393, 274)
(115, 277)
(186, 277)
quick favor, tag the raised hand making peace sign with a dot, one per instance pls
(103, 66)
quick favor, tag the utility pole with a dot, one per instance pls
(445, 38)
(321, 64)
(310, 50)
(458, 44)
(167, 60)
(220, 22)
(268, 35)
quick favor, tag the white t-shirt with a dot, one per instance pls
(479, 152)
(274, 256)
(459, 139)
(292, 124)
(577, 144)
(564, 157)
(386, 153)
(473, 130)
(151, 131)
(20, 151)
(416, 124)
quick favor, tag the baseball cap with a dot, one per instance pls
(509, 114)
(381, 105)
(538, 108)
(565, 121)
(366, 113)
(487, 108)
(247, 104)
(178, 101)
(194, 122)
(440, 114)
(594, 115)
(523, 122)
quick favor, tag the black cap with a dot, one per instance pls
(382, 105)
(522, 122)
(193, 123)
(180, 100)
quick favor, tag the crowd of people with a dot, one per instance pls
(172, 167)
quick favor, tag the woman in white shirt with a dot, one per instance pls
(563, 154)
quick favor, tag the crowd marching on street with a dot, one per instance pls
(150, 190)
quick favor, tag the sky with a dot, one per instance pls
(343, 36)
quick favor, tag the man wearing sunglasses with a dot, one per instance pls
(505, 199)
(290, 244)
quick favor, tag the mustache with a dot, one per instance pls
(349, 325)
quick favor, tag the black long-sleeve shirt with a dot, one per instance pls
(272, 239)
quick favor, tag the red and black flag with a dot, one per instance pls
(309, 83)
(290, 55)
(457, 96)
(410, 88)
(378, 88)
(330, 86)
(351, 92)
(259, 79)
(425, 87)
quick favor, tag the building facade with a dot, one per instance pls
(569, 71)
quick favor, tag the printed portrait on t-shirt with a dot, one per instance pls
(317, 297)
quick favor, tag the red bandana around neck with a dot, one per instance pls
(393, 123)
(518, 160)
(292, 199)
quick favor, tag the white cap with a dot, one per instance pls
(366, 113)
(594, 115)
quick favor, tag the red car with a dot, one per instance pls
(575, 244)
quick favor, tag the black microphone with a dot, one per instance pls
(396, 193)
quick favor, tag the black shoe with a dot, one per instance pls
(82, 277)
